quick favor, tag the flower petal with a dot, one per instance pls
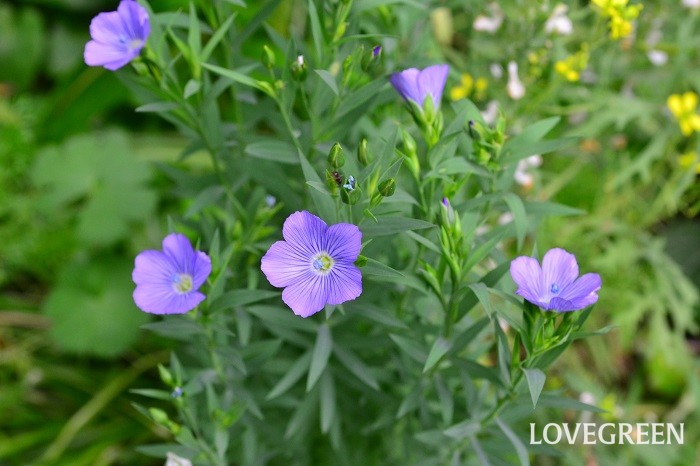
(110, 56)
(152, 267)
(581, 293)
(343, 242)
(178, 249)
(344, 283)
(559, 267)
(108, 28)
(284, 264)
(162, 299)
(526, 273)
(201, 269)
(431, 81)
(305, 232)
(306, 297)
(406, 84)
(135, 19)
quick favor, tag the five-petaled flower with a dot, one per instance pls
(167, 282)
(555, 286)
(416, 85)
(117, 36)
(315, 263)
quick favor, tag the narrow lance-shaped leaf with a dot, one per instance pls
(319, 359)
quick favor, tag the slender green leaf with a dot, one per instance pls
(517, 443)
(438, 350)
(293, 375)
(535, 382)
(356, 366)
(322, 351)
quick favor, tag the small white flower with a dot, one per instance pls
(533, 160)
(174, 460)
(523, 178)
(491, 113)
(657, 57)
(505, 218)
(300, 60)
(496, 70)
(489, 23)
(691, 3)
(515, 88)
(558, 22)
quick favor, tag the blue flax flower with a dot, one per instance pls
(315, 264)
(555, 286)
(416, 85)
(117, 36)
(167, 282)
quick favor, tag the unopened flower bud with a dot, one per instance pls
(166, 376)
(336, 158)
(299, 71)
(159, 416)
(387, 187)
(371, 57)
(362, 153)
(361, 261)
(334, 180)
(350, 192)
(268, 57)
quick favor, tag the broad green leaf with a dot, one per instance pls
(92, 310)
(322, 351)
(295, 372)
(437, 351)
(535, 382)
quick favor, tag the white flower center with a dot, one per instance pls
(322, 263)
(182, 283)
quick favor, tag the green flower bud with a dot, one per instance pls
(299, 71)
(387, 187)
(336, 158)
(350, 192)
(166, 376)
(361, 261)
(268, 57)
(333, 181)
(362, 153)
(159, 416)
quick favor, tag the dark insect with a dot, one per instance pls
(337, 177)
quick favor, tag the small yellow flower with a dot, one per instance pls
(572, 66)
(467, 85)
(683, 108)
(690, 160)
(621, 16)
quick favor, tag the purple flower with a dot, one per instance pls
(117, 36)
(167, 281)
(415, 85)
(555, 286)
(315, 263)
